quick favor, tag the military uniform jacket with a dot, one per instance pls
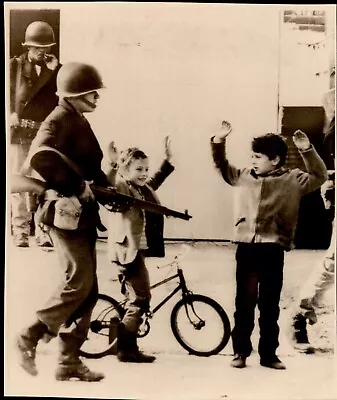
(70, 133)
(32, 96)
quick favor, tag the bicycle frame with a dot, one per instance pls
(181, 286)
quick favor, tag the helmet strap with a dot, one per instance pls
(87, 102)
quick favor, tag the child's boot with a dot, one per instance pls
(127, 348)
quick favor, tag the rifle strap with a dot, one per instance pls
(66, 159)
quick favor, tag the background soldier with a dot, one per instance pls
(323, 277)
(32, 98)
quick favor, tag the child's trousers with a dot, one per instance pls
(135, 281)
(259, 279)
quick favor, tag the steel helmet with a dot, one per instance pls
(39, 34)
(75, 79)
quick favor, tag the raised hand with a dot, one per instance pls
(226, 129)
(168, 152)
(112, 153)
(301, 140)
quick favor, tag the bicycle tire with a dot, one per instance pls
(202, 305)
(102, 333)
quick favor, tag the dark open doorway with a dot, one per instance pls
(313, 227)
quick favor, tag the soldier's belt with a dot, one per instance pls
(29, 124)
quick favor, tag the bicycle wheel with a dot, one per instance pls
(102, 334)
(200, 325)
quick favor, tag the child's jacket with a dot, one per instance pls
(266, 207)
(125, 228)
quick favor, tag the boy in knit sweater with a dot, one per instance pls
(266, 210)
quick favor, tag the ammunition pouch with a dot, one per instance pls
(67, 213)
(60, 212)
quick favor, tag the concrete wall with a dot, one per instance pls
(180, 69)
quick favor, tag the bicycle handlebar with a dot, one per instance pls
(182, 254)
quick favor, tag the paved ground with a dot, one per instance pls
(209, 268)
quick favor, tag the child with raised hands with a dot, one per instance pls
(267, 197)
(133, 235)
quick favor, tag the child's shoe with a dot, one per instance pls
(239, 361)
(274, 363)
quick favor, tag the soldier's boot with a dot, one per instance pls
(77, 371)
(26, 344)
(300, 334)
(70, 366)
(127, 348)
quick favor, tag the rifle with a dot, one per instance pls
(110, 196)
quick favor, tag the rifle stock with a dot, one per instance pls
(21, 183)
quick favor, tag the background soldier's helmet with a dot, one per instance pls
(76, 79)
(39, 34)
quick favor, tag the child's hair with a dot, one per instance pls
(126, 156)
(272, 145)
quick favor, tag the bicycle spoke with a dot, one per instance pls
(200, 325)
(102, 332)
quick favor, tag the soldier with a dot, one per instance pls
(66, 130)
(312, 292)
(32, 98)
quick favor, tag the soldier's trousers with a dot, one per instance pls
(21, 216)
(321, 279)
(69, 309)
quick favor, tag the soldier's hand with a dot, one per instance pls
(14, 119)
(328, 193)
(301, 140)
(87, 194)
(329, 264)
(51, 61)
(226, 129)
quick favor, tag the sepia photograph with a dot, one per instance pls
(170, 201)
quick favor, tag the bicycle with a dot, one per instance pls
(199, 324)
